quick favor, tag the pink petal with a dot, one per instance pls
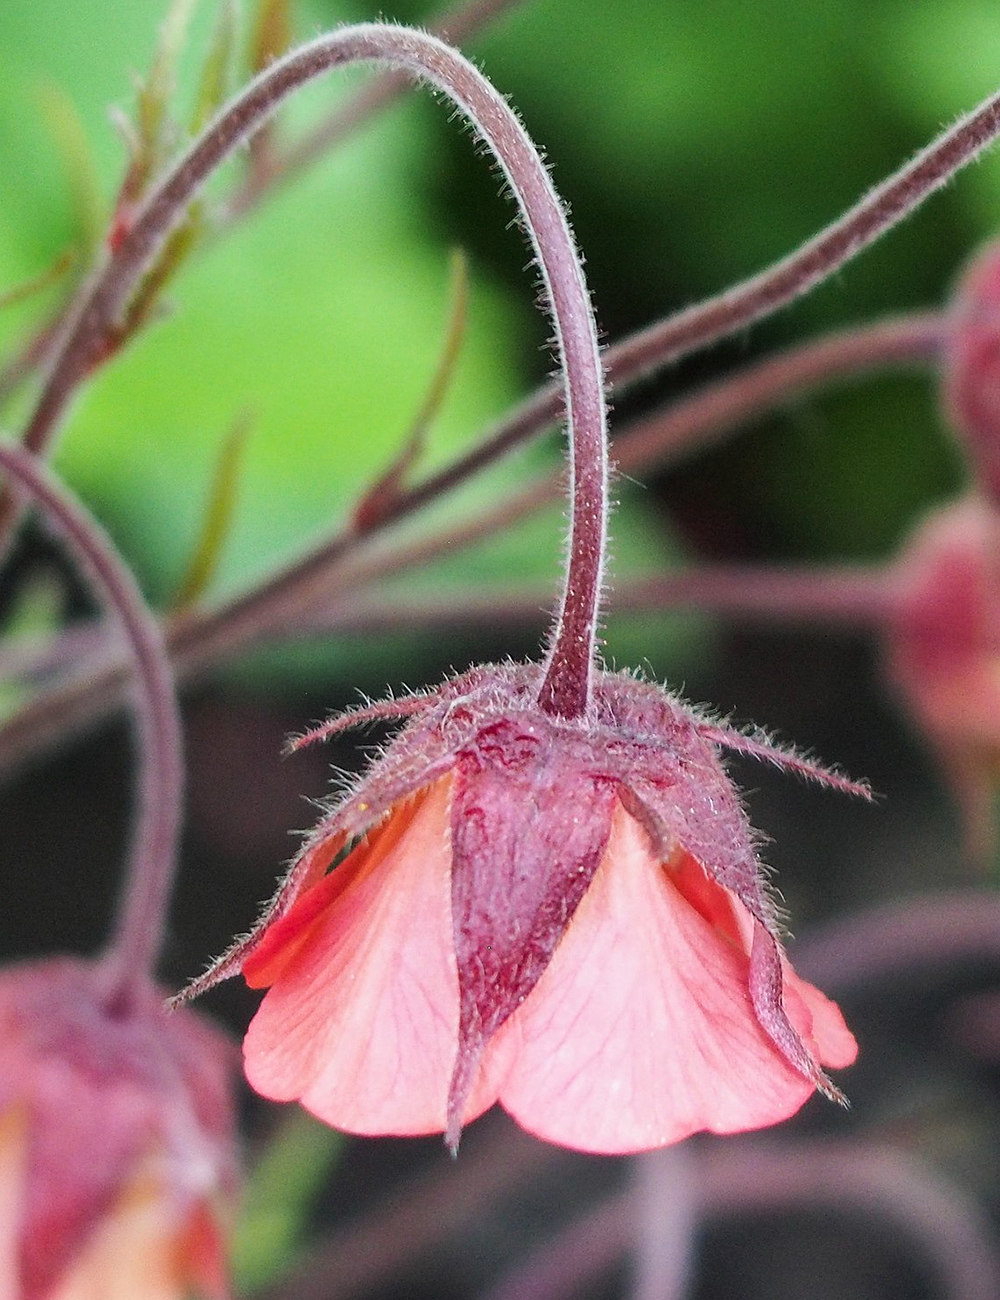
(641, 1031)
(361, 1025)
(819, 1021)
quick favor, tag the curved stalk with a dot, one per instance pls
(205, 637)
(141, 920)
(455, 25)
(566, 685)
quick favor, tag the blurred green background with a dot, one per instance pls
(693, 143)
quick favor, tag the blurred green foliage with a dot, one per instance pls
(281, 1187)
(694, 143)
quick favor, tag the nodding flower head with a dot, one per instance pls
(566, 916)
(117, 1167)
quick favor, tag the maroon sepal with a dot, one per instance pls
(530, 820)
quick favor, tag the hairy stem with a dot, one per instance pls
(567, 682)
(455, 25)
(859, 597)
(141, 921)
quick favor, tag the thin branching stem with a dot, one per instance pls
(140, 926)
(855, 598)
(718, 409)
(939, 1225)
(934, 1220)
(901, 941)
(346, 562)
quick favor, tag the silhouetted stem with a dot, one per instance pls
(655, 1217)
(934, 1218)
(580, 1254)
(899, 940)
(37, 656)
(665, 1222)
(141, 921)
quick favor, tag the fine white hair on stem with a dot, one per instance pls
(566, 687)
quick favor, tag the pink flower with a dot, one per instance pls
(567, 917)
(116, 1145)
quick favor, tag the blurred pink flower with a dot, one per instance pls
(117, 1171)
(971, 367)
(944, 652)
(567, 917)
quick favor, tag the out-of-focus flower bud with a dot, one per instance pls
(944, 652)
(117, 1156)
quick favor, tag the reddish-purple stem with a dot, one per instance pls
(141, 921)
(566, 684)
(454, 25)
(296, 596)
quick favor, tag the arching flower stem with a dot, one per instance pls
(567, 682)
(456, 24)
(91, 330)
(135, 944)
